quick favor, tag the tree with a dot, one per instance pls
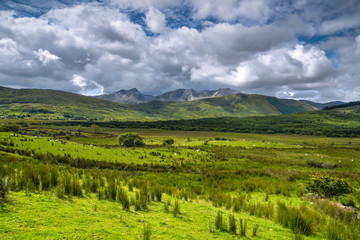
(130, 140)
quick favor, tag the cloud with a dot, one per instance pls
(339, 24)
(258, 46)
(155, 20)
(88, 87)
(46, 57)
(232, 9)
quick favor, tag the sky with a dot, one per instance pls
(300, 49)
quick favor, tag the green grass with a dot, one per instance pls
(208, 178)
(45, 216)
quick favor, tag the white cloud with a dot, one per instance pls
(88, 87)
(8, 47)
(46, 57)
(339, 24)
(232, 9)
(155, 20)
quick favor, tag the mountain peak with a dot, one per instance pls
(131, 96)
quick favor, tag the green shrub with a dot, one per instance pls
(328, 187)
(168, 141)
(130, 140)
(313, 163)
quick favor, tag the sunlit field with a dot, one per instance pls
(71, 182)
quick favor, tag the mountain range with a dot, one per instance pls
(178, 104)
(133, 96)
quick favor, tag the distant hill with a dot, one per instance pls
(133, 96)
(51, 104)
(322, 105)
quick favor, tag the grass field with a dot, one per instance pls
(65, 185)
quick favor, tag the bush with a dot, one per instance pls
(313, 163)
(328, 187)
(168, 141)
(130, 140)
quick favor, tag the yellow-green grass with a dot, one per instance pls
(43, 216)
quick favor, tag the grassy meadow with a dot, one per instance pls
(72, 182)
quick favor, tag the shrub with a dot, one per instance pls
(328, 187)
(130, 140)
(168, 141)
(313, 163)
(328, 165)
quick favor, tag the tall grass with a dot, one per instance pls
(242, 227)
(300, 222)
(176, 208)
(146, 231)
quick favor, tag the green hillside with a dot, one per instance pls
(337, 122)
(51, 104)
